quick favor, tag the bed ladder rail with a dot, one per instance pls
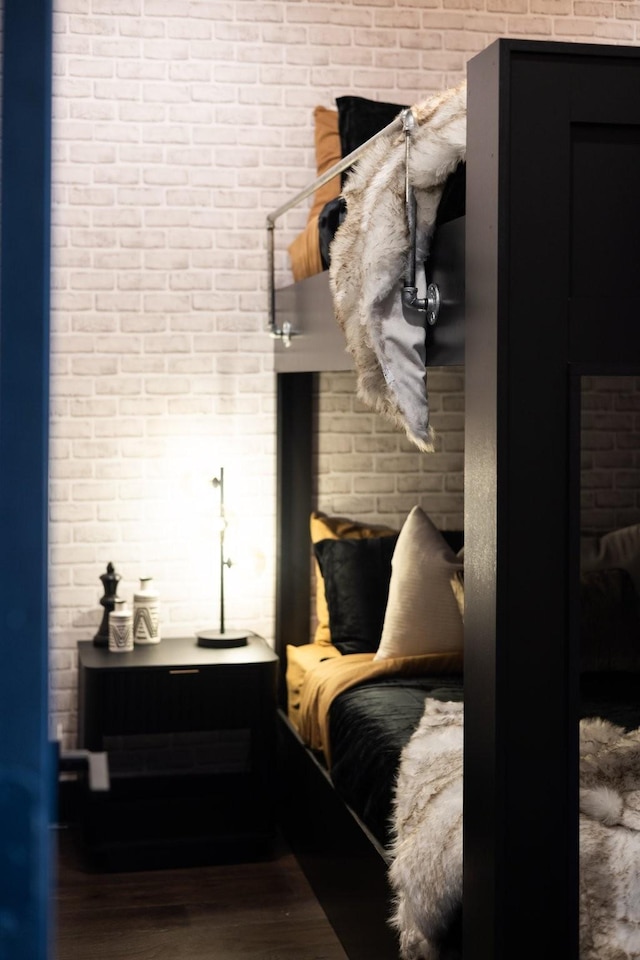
(286, 332)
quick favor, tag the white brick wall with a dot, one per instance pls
(367, 469)
(364, 468)
(178, 125)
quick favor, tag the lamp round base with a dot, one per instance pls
(214, 638)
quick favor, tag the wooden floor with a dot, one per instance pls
(249, 911)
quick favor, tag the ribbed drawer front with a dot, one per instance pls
(195, 753)
(174, 700)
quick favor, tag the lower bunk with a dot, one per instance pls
(371, 757)
(405, 900)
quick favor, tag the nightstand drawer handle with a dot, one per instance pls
(184, 671)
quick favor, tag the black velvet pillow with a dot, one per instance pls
(360, 119)
(609, 622)
(356, 576)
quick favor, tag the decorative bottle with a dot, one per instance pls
(146, 614)
(120, 628)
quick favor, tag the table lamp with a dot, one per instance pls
(222, 637)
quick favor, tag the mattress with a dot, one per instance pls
(370, 724)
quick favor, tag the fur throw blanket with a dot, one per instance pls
(426, 869)
(369, 252)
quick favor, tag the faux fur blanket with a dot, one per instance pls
(426, 870)
(369, 252)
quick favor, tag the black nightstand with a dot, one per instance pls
(190, 737)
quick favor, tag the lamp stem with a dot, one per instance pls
(222, 638)
(222, 559)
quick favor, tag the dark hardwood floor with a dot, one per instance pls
(263, 910)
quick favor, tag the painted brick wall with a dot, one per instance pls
(367, 469)
(178, 125)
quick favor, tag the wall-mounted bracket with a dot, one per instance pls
(430, 305)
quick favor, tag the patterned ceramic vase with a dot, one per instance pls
(146, 614)
(120, 628)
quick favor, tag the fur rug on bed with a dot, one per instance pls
(368, 258)
(426, 870)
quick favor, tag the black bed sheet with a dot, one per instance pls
(368, 727)
(370, 724)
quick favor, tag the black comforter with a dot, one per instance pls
(370, 724)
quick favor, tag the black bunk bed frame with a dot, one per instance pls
(552, 293)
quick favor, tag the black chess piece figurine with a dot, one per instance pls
(108, 601)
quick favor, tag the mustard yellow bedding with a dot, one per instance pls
(330, 677)
(300, 661)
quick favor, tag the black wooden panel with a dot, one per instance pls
(445, 267)
(175, 702)
(537, 146)
(294, 491)
(600, 324)
(605, 239)
(344, 865)
(605, 206)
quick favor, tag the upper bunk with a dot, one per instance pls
(307, 334)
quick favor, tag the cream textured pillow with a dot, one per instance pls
(422, 615)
